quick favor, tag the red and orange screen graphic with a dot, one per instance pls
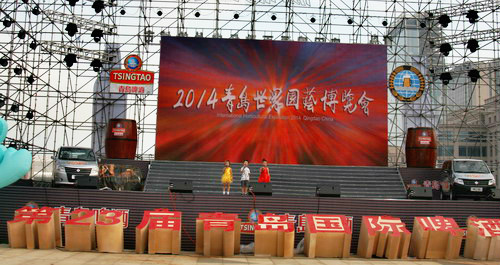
(288, 102)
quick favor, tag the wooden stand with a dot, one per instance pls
(483, 239)
(217, 234)
(274, 236)
(327, 236)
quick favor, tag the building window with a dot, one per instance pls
(445, 150)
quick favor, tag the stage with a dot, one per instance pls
(190, 205)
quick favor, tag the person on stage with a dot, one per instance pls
(227, 178)
(245, 177)
(264, 172)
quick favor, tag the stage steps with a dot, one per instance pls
(297, 180)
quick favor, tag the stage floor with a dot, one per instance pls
(9, 256)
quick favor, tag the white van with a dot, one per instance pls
(467, 178)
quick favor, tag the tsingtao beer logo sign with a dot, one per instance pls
(132, 80)
(406, 83)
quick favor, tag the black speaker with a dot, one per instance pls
(23, 182)
(328, 190)
(86, 182)
(494, 195)
(181, 185)
(424, 193)
(261, 188)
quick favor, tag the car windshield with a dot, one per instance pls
(470, 167)
(79, 154)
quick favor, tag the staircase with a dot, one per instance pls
(295, 180)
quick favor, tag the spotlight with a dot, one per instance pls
(445, 49)
(273, 17)
(159, 13)
(36, 11)
(236, 16)
(98, 6)
(72, 29)
(444, 20)
(197, 14)
(96, 65)
(72, 2)
(4, 62)
(97, 34)
(25, 1)
(33, 45)
(445, 77)
(472, 16)
(14, 108)
(70, 59)
(21, 34)
(122, 12)
(7, 22)
(18, 71)
(313, 19)
(422, 25)
(30, 115)
(2, 102)
(12, 145)
(474, 75)
(30, 79)
(350, 21)
(384, 23)
(472, 45)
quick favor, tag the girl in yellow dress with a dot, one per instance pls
(227, 177)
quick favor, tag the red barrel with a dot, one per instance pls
(121, 139)
(421, 147)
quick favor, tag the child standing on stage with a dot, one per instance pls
(264, 172)
(227, 178)
(245, 177)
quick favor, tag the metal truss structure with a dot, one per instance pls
(48, 103)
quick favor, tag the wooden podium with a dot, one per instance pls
(274, 236)
(80, 231)
(217, 233)
(383, 236)
(109, 230)
(159, 232)
(483, 239)
(327, 236)
(435, 238)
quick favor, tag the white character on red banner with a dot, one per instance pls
(244, 102)
(292, 98)
(363, 103)
(229, 97)
(260, 99)
(275, 99)
(347, 98)
(309, 101)
(329, 99)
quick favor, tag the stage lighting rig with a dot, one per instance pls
(474, 75)
(445, 49)
(444, 20)
(423, 25)
(97, 34)
(2, 102)
(30, 115)
(384, 23)
(313, 19)
(273, 17)
(7, 22)
(14, 107)
(83, 23)
(70, 59)
(30, 79)
(98, 6)
(446, 78)
(350, 21)
(472, 16)
(472, 45)
(236, 16)
(4, 62)
(33, 45)
(72, 2)
(36, 10)
(96, 65)
(159, 13)
(197, 14)
(72, 29)
(18, 70)
(21, 34)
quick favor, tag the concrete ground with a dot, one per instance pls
(9, 256)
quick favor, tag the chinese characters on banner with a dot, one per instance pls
(274, 100)
(254, 93)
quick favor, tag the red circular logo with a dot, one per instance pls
(133, 62)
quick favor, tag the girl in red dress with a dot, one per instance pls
(264, 172)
